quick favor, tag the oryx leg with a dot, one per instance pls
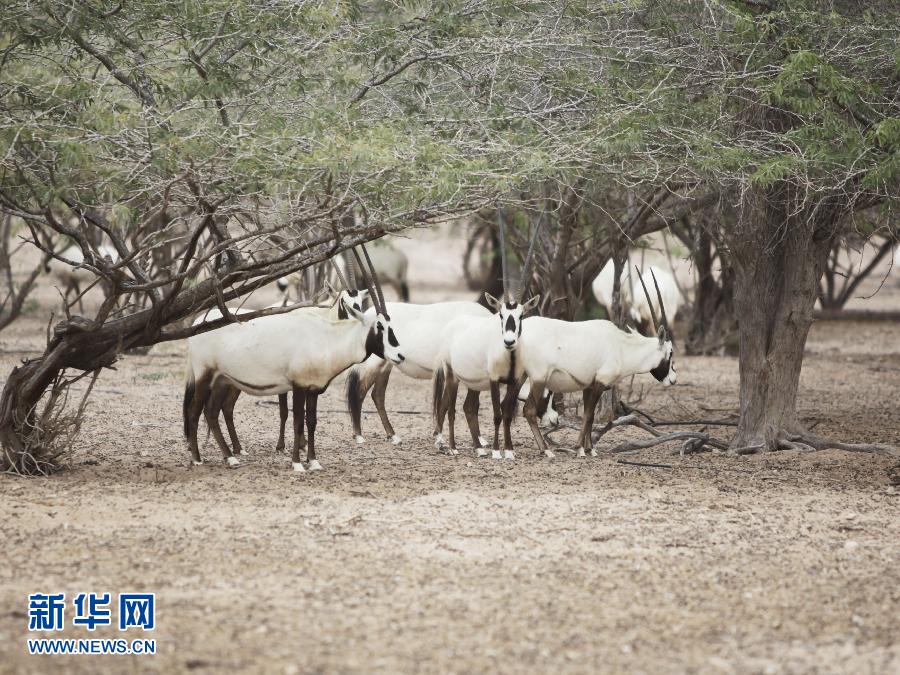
(530, 412)
(282, 420)
(312, 401)
(498, 417)
(193, 410)
(449, 406)
(228, 414)
(591, 395)
(212, 409)
(299, 401)
(470, 407)
(378, 391)
(509, 411)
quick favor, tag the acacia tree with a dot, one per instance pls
(217, 147)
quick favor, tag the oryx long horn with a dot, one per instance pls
(340, 274)
(503, 267)
(662, 306)
(351, 271)
(647, 295)
(529, 259)
(375, 281)
(373, 296)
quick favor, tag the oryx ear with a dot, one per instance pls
(531, 304)
(494, 303)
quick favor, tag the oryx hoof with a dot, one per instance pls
(243, 452)
(453, 451)
(495, 454)
(580, 452)
(509, 454)
(593, 452)
(232, 461)
(360, 440)
(315, 466)
(298, 467)
(395, 440)
(195, 462)
(480, 452)
(484, 442)
(439, 441)
(279, 446)
(549, 454)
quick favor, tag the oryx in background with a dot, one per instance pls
(590, 356)
(300, 352)
(481, 353)
(637, 305)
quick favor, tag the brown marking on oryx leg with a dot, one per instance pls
(470, 408)
(228, 413)
(378, 392)
(509, 412)
(201, 391)
(591, 397)
(498, 417)
(282, 420)
(212, 409)
(450, 393)
(312, 400)
(299, 401)
(530, 412)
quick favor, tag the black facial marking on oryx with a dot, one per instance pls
(374, 342)
(343, 315)
(662, 370)
(392, 339)
(510, 323)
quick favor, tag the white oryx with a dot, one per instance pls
(72, 279)
(223, 396)
(636, 304)
(480, 352)
(423, 328)
(300, 352)
(590, 356)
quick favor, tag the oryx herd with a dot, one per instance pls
(302, 351)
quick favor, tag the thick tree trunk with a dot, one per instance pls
(779, 259)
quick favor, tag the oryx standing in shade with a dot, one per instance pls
(300, 352)
(590, 356)
(481, 353)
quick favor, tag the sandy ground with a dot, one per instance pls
(406, 560)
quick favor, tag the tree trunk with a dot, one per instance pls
(779, 259)
(712, 318)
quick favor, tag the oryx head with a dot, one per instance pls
(510, 310)
(381, 339)
(351, 299)
(665, 371)
(511, 313)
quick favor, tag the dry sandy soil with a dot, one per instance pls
(406, 560)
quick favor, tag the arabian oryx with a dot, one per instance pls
(636, 304)
(590, 356)
(297, 351)
(423, 328)
(73, 277)
(223, 396)
(481, 353)
(390, 266)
